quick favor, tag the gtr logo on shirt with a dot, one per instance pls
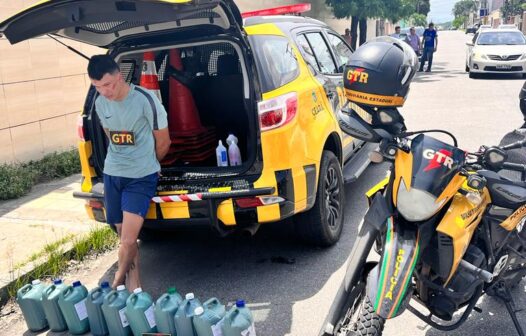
(122, 138)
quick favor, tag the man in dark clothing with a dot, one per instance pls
(429, 46)
(522, 103)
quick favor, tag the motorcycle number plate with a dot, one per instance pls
(503, 67)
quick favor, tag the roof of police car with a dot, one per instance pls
(287, 22)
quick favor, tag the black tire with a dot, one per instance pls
(369, 323)
(467, 68)
(322, 225)
(472, 75)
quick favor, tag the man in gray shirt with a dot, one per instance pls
(136, 124)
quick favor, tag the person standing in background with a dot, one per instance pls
(396, 33)
(413, 40)
(429, 46)
(347, 36)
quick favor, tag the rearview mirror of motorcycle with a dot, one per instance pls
(495, 157)
(352, 124)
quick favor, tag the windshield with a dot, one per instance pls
(501, 38)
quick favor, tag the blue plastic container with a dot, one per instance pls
(113, 309)
(140, 313)
(183, 316)
(207, 318)
(165, 309)
(97, 323)
(72, 303)
(53, 313)
(29, 298)
(238, 321)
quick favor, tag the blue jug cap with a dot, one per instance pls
(57, 281)
(240, 303)
(104, 284)
(77, 284)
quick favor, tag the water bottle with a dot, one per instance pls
(165, 309)
(234, 154)
(183, 316)
(113, 309)
(51, 309)
(208, 318)
(139, 310)
(97, 323)
(29, 298)
(72, 303)
(222, 160)
(238, 321)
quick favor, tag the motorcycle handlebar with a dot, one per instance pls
(514, 166)
(514, 145)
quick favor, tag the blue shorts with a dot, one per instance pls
(128, 194)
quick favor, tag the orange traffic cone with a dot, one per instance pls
(183, 116)
(149, 79)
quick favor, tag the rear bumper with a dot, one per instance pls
(214, 209)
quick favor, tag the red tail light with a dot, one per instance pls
(80, 127)
(95, 204)
(278, 111)
(253, 202)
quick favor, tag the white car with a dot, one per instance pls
(496, 51)
(508, 26)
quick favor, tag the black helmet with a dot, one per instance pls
(379, 72)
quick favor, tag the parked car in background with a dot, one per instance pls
(496, 51)
(471, 29)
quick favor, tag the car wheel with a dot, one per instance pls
(322, 225)
(472, 75)
(467, 68)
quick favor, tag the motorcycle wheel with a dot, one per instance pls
(360, 318)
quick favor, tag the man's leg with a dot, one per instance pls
(430, 59)
(423, 59)
(128, 251)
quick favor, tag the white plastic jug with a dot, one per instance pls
(238, 321)
(221, 155)
(234, 154)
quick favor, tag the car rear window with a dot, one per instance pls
(275, 61)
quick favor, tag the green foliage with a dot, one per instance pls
(464, 7)
(16, 180)
(57, 258)
(459, 21)
(512, 8)
(417, 19)
(393, 10)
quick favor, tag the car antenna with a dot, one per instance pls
(70, 48)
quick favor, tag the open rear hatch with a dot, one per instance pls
(104, 22)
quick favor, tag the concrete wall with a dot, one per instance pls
(43, 85)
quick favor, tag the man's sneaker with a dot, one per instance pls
(428, 70)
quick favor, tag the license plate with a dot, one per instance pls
(503, 67)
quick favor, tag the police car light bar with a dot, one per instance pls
(282, 10)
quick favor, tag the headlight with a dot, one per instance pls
(479, 55)
(523, 57)
(416, 205)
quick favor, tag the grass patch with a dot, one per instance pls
(17, 179)
(57, 259)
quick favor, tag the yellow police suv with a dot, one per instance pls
(274, 82)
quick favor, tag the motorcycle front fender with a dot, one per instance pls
(387, 283)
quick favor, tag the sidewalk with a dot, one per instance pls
(47, 214)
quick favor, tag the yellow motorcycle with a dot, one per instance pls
(443, 228)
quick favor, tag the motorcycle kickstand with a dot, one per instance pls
(503, 293)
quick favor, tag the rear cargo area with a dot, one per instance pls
(203, 90)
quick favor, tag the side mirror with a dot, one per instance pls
(352, 124)
(469, 44)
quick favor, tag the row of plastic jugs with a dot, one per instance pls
(118, 313)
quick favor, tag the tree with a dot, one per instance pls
(359, 11)
(417, 19)
(512, 8)
(459, 21)
(463, 8)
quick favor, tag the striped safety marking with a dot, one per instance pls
(178, 198)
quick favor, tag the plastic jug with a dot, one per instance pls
(97, 323)
(165, 309)
(29, 298)
(221, 155)
(183, 316)
(113, 309)
(234, 154)
(53, 313)
(72, 303)
(238, 321)
(208, 317)
(139, 310)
